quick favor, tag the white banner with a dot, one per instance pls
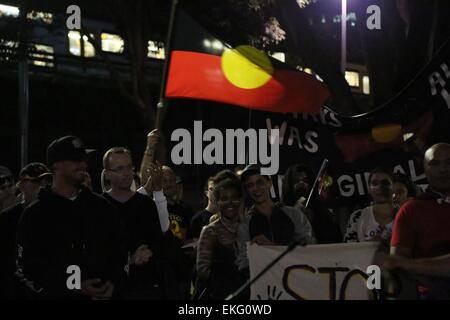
(316, 272)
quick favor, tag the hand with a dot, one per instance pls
(93, 289)
(142, 255)
(155, 177)
(154, 137)
(262, 240)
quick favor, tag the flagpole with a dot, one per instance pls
(322, 168)
(162, 102)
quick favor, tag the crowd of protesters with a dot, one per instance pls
(139, 240)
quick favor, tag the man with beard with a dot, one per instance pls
(297, 185)
(70, 228)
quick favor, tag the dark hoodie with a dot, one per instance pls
(55, 232)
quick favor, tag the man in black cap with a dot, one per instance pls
(69, 239)
(7, 188)
(268, 223)
(31, 178)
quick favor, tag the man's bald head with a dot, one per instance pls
(437, 167)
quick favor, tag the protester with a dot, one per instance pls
(180, 214)
(142, 227)
(268, 223)
(218, 275)
(31, 178)
(201, 219)
(69, 226)
(421, 225)
(374, 222)
(7, 188)
(297, 184)
(403, 190)
(219, 177)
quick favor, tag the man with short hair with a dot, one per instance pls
(201, 219)
(180, 214)
(421, 227)
(7, 188)
(140, 218)
(32, 178)
(268, 223)
(70, 228)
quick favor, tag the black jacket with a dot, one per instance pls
(55, 232)
(9, 218)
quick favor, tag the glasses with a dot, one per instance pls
(123, 169)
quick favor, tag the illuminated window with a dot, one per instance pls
(366, 85)
(280, 56)
(41, 54)
(307, 70)
(7, 49)
(8, 11)
(352, 78)
(44, 17)
(75, 44)
(112, 43)
(156, 50)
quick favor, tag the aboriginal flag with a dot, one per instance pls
(204, 67)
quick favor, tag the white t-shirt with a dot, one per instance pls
(362, 226)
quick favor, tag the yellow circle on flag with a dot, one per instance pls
(246, 67)
(386, 133)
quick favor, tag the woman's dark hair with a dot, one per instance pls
(223, 175)
(404, 179)
(288, 194)
(228, 184)
(383, 170)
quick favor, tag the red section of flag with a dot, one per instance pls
(356, 146)
(199, 76)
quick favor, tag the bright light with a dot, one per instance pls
(75, 44)
(307, 70)
(280, 56)
(156, 50)
(217, 45)
(45, 52)
(207, 43)
(352, 78)
(40, 16)
(366, 85)
(9, 11)
(112, 43)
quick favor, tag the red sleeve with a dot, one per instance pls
(403, 231)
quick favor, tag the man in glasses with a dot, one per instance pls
(69, 228)
(139, 216)
(268, 223)
(7, 188)
(31, 178)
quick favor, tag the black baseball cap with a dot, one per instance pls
(68, 148)
(34, 171)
